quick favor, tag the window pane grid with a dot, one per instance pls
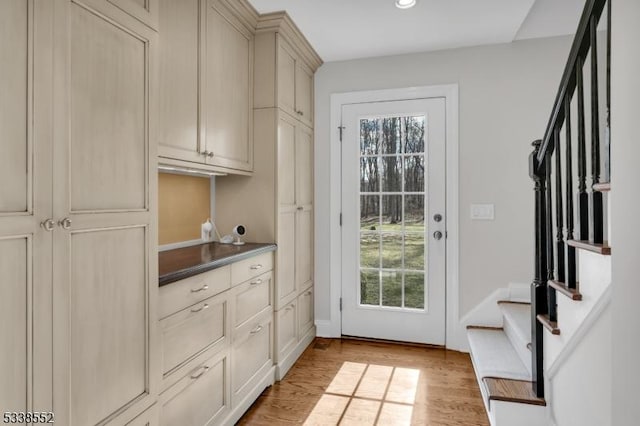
(392, 180)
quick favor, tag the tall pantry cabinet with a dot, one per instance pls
(78, 264)
(277, 203)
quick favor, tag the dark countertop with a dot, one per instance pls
(181, 263)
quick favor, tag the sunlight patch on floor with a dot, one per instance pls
(367, 394)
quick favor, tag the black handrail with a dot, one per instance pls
(555, 255)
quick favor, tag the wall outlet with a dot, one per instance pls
(482, 212)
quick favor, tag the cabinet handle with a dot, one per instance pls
(255, 267)
(200, 372)
(290, 307)
(48, 225)
(210, 154)
(256, 282)
(197, 290)
(65, 223)
(256, 330)
(201, 308)
(308, 293)
(300, 208)
(300, 112)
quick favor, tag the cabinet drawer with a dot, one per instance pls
(251, 356)
(200, 398)
(251, 298)
(246, 269)
(305, 312)
(192, 330)
(181, 294)
(286, 330)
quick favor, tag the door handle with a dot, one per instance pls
(437, 235)
(437, 217)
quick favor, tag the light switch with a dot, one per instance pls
(482, 212)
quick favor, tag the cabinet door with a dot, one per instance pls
(305, 312)
(201, 398)
(304, 209)
(105, 256)
(25, 200)
(286, 255)
(287, 134)
(228, 89)
(286, 77)
(179, 135)
(286, 330)
(304, 93)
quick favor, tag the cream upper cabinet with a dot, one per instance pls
(179, 47)
(206, 75)
(105, 345)
(295, 83)
(228, 89)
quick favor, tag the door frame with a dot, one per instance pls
(454, 338)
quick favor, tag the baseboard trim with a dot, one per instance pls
(241, 408)
(325, 328)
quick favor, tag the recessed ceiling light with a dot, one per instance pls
(405, 4)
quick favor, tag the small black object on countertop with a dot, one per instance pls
(181, 263)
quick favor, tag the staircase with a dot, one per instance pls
(550, 361)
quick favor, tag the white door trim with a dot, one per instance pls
(332, 328)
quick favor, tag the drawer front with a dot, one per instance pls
(192, 330)
(176, 296)
(251, 298)
(250, 268)
(148, 418)
(251, 355)
(286, 330)
(305, 312)
(200, 398)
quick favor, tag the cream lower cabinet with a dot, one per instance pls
(77, 222)
(216, 343)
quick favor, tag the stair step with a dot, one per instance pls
(602, 187)
(517, 327)
(587, 245)
(571, 293)
(552, 326)
(494, 355)
(519, 391)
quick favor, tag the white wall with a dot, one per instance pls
(506, 95)
(625, 210)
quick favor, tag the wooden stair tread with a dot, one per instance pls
(602, 187)
(514, 302)
(483, 327)
(587, 245)
(509, 390)
(571, 293)
(548, 324)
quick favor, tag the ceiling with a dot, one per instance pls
(349, 29)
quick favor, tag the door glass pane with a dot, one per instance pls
(392, 212)
(414, 251)
(414, 290)
(391, 173)
(369, 287)
(370, 212)
(369, 174)
(392, 288)
(370, 250)
(392, 250)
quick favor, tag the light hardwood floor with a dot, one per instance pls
(352, 382)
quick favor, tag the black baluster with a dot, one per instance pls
(571, 251)
(583, 197)
(559, 215)
(539, 284)
(607, 159)
(596, 196)
(551, 292)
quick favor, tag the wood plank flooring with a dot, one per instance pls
(353, 382)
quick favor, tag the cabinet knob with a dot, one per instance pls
(300, 113)
(65, 223)
(48, 225)
(210, 155)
